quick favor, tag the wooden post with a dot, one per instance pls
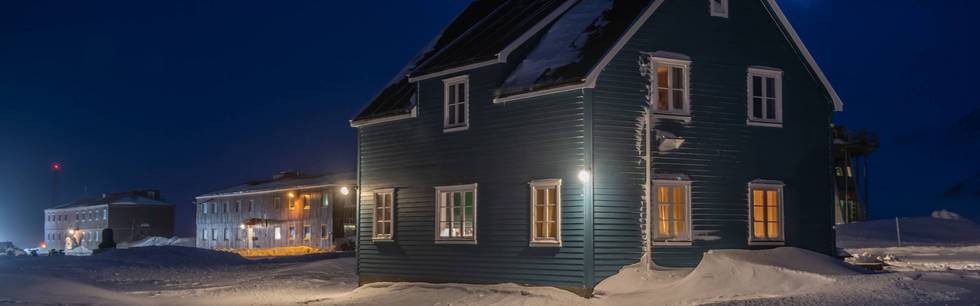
(898, 232)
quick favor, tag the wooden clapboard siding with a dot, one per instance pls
(721, 154)
(505, 147)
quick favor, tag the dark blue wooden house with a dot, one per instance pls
(552, 142)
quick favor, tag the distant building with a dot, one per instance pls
(291, 209)
(132, 215)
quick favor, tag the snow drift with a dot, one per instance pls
(158, 241)
(725, 275)
(9, 249)
(171, 256)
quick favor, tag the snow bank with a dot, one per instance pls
(171, 256)
(945, 228)
(79, 251)
(158, 241)
(8, 248)
(726, 275)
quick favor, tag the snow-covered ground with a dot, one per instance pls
(940, 269)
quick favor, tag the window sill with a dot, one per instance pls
(672, 243)
(669, 116)
(545, 244)
(775, 243)
(457, 242)
(455, 129)
(383, 240)
(764, 123)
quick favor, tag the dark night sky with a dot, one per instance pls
(189, 96)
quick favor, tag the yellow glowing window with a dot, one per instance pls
(766, 203)
(672, 211)
(546, 212)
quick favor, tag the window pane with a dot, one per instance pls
(759, 230)
(540, 229)
(552, 196)
(539, 214)
(773, 230)
(770, 108)
(757, 197)
(452, 95)
(678, 228)
(662, 76)
(756, 108)
(756, 86)
(678, 99)
(461, 114)
(553, 232)
(552, 213)
(662, 98)
(678, 78)
(451, 114)
(770, 87)
(539, 195)
(757, 213)
(461, 96)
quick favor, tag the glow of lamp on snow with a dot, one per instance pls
(344, 190)
(584, 175)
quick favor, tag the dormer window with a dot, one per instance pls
(456, 108)
(719, 8)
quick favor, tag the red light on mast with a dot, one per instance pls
(56, 167)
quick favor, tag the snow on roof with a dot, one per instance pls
(562, 45)
(136, 197)
(284, 181)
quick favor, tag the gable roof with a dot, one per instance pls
(136, 197)
(283, 181)
(569, 53)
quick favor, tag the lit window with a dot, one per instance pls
(669, 81)
(307, 233)
(292, 204)
(306, 202)
(766, 202)
(456, 214)
(384, 207)
(456, 103)
(719, 8)
(326, 199)
(839, 172)
(546, 212)
(849, 173)
(278, 233)
(292, 232)
(673, 211)
(765, 97)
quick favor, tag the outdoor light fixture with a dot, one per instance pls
(584, 175)
(292, 194)
(241, 226)
(71, 232)
(344, 190)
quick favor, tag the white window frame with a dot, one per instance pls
(714, 8)
(778, 186)
(291, 232)
(307, 232)
(438, 203)
(655, 223)
(449, 84)
(390, 236)
(535, 241)
(671, 63)
(278, 233)
(764, 73)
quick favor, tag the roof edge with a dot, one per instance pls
(781, 18)
(382, 119)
